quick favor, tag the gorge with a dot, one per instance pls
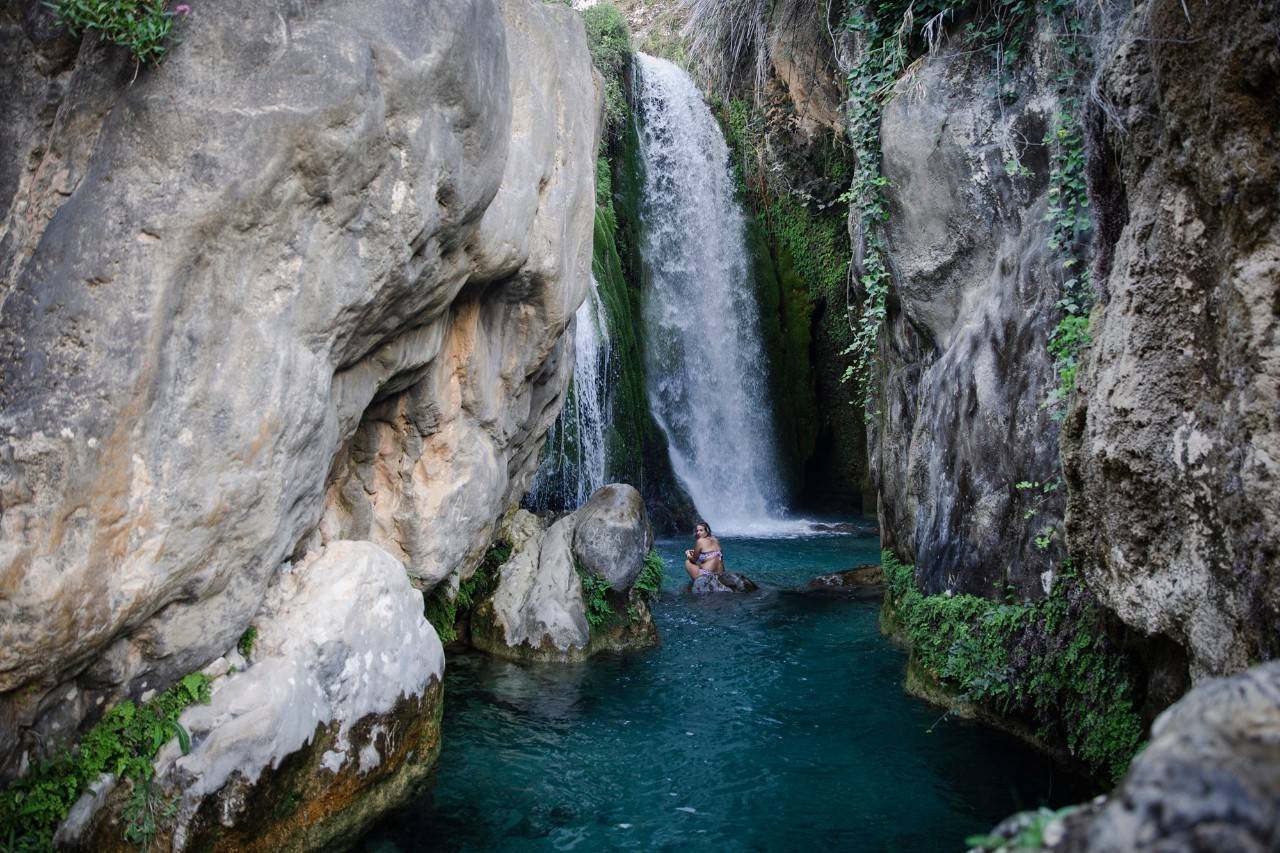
(359, 362)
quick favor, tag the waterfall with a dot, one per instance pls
(574, 461)
(705, 366)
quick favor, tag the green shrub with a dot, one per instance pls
(124, 742)
(142, 26)
(1048, 662)
(609, 41)
(649, 582)
(247, 639)
(595, 595)
(443, 610)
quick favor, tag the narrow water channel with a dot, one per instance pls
(774, 721)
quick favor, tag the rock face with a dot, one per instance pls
(1172, 449)
(964, 362)
(338, 716)
(306, 281)
(539, 610)
(1209, 779)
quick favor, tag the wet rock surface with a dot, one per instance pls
(722, 582)
(965, 367)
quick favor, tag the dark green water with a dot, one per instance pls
(774, 721)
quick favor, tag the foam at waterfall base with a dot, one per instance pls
(776, 528)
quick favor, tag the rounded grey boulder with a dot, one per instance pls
(612, 534)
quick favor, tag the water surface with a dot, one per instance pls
(774, 721)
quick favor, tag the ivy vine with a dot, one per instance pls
(889, 40)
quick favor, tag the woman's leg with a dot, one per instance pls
(692, 568)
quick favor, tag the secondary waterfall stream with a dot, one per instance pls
(706, 369)
(574, 464)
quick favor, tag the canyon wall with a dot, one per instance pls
(306, 281)
(1163, 476)
(1172, 446)
(959, 418)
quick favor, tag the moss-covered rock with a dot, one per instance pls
(302, 805)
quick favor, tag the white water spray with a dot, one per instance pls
(706, 369)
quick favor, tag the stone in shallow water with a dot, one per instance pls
(860, 579)
(723, 582)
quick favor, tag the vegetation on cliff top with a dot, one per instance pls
(1048, 662)
(123, 743)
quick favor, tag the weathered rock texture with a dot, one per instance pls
(538, 610)
(965, 368)
(1172, 448)
(338, 716)
(611, 535)
(1208, 780)
(319, 262)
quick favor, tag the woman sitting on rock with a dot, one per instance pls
(705, 557)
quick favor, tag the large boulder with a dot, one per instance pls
(1208, 780)
(1172, 446)
(537, 607)
(547, 604)
(305, 281)
(335, 721)
(611, 535)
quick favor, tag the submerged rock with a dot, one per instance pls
(539, 609)
(335, 721)
(723, 582)
(862, 579)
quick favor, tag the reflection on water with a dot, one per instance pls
(764, 722)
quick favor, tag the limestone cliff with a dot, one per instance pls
(305, 281)
(1172, 446)
(959, 419)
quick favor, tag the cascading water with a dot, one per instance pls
(574, 463)
(706, 368)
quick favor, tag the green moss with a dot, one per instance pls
(124, 742)
(609, 41)
(1047, 662)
